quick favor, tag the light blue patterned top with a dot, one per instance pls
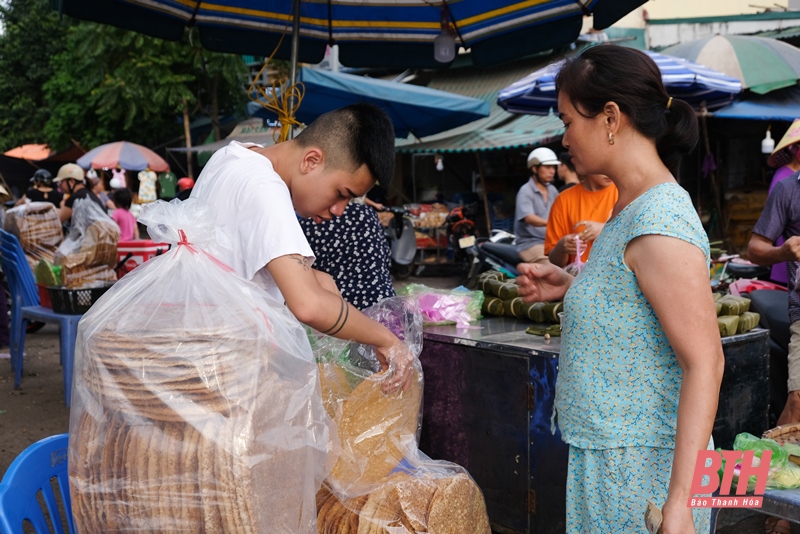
(618, 379)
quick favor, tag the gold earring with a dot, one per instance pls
(610, 138)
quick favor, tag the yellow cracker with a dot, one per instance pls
(372, 430)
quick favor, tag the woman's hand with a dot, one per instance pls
(590, 231)
(541, 282)
(677, 518)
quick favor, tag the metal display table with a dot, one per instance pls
(487, 404)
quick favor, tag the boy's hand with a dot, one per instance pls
(398, 359)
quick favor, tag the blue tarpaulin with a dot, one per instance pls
(413, 109)
(781, 105)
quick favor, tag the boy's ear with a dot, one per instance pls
(312, 158)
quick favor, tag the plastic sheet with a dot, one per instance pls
(89, 253)
(442, 306)
(196, 404)
(576, 266)
(381, 481)
(38, 228)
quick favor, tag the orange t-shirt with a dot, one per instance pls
(574, 205)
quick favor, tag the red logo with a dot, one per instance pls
(743, 464)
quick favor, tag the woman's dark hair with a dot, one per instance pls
(566, 159)
(122, 198)
(612, 73)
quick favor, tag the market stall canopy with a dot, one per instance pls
(500, 130)
(377, 33)
(780, 105)
(129, 156)
(535, 94)
(413, 109)
(761, 64)
(250, 131)
(30, 152)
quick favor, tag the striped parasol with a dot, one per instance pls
(535, 94)
(129, 156)
(761, 64)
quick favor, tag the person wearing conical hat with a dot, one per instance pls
(786, 162)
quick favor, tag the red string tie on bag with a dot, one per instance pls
(185, 242)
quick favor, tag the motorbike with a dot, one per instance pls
(497, 252)
(402, 242)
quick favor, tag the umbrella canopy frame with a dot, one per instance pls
(375, 34)
(700, 86)
(124, 154)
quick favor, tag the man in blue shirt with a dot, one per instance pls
(534, 201)
(781, 218)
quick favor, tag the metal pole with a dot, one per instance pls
(295, 53)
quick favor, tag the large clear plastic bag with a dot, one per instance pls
(196, 404)
(38, 228)
(89, 252)
(381, 481)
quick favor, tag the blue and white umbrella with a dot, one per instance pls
(535, 94)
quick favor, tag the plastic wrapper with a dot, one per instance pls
(727, 324)
(576, 266)
(733, 305)
(783, 474)
(441, 306)
(196, 404)
(89, 253)
(747, 321)
(381, 481)
(38, 228)
(718, 307)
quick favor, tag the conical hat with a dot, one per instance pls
(779, 156)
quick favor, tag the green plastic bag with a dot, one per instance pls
(783, 474)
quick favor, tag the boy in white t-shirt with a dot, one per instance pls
(257, 193)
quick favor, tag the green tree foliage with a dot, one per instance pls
(31, 36)
(110, 84)
(64, 80)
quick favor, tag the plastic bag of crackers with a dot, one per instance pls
(38, 228)
(381, 482)
(89, 252)
(196, 404)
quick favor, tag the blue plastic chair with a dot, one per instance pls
(36, 471)
(26, 307)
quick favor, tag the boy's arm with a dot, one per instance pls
(330, 314)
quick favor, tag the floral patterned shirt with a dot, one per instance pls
(619, 379)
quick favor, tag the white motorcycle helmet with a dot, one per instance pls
(542, 156)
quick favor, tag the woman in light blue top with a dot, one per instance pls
(641, 360)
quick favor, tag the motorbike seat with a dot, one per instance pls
(773, 306)
(747, 270)
(505, 252)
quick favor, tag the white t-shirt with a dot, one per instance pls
(254, 212)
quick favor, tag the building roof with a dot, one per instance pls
(768, 15)
(500, 130)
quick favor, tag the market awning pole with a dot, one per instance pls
(295, 53)
(485, 195)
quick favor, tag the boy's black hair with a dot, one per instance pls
(356, 135)
(122, 198)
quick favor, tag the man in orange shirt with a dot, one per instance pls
(580, 211)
